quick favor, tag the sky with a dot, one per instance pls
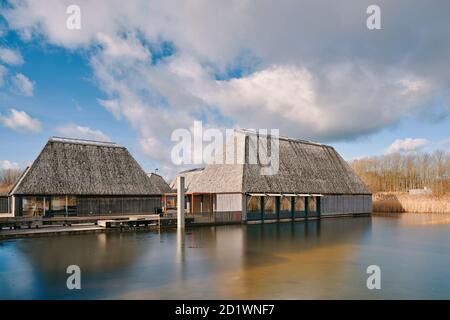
(135, 71)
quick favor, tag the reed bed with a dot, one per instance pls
(403, 202)
(4, 188)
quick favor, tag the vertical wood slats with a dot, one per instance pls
(343, 204)
(4, 205)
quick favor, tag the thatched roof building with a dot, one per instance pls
(304, 167)
(190, 177)
(89, 177)
(160, 183)
(81, 167)
(305, 170)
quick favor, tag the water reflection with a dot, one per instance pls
(314, 259)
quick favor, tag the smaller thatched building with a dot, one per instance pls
(159, 182)
(81, 177)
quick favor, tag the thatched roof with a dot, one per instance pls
(160, 183)
(304, 167)
(190, 177)
(82, 167)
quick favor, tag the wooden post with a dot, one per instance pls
(318, 209)
(306, 208)
(180, 202)
(293, 208)
(244, 207)
(262, 208)
(211, 207)
(277, 207)
(13, 205)
(67, 207)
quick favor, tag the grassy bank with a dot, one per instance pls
(403, 202)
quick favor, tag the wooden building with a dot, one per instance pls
(312, 180)
(74, 177)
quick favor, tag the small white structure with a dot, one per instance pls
(420, 192)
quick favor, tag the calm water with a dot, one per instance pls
(315, 259)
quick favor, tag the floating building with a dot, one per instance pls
(74, 177)
(310, 180)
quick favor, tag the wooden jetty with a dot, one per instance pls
(18, 227)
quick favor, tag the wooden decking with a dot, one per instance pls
(49, 231)
(18, 227)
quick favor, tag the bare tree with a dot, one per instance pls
(402, 172)
(9, 176)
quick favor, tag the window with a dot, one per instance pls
(34, 206)
(269, 205)
(58, 205)
(312, 207)
(299, 204)
(285, 204)
(171, 202)
(253, 204)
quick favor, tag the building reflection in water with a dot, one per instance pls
(235, 261)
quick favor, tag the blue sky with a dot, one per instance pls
(135, 73)
(64, 93)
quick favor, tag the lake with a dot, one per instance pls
(324, 259)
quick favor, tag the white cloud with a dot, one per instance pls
(7, 165)
(20, 121)
(10, 56)
(321, 79)
(75, 131)
(128, 47)
(406, 145)
(23, 85)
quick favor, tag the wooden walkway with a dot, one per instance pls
(49, 231)
(19, 227)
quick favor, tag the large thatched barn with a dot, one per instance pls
(82, 177)
(312, 180)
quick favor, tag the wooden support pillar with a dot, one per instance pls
(277, 207)
(318, 204)
(293, 208)
(306, 208)
(262, 208)
(180, 202)
(11, 207)
(211, 207)
(67, 206)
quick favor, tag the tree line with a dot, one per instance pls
(9, 176)
(402, 172)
